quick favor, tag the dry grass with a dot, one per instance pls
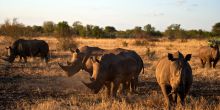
(36, 86)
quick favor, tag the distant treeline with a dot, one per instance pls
(63, 29)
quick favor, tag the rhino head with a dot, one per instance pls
(97, 70)
(213, 43)
(99, 75)
(12, 53)
(178, 68)
(75, 64)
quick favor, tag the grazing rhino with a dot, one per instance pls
(174, 76)
(209, 54)
(80, 60)
(28, 48)
(9, 53)
(112, 68)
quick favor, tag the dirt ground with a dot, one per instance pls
(36, 86)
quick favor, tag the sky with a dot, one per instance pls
(122, 14)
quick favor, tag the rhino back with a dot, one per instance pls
(205, 52)
(126, 66)
(95, 51)
(31, 47)
(135, 56)
(116, 66)
(90, 50)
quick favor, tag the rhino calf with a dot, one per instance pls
(174, 76)
(114, 69)
(209, 54)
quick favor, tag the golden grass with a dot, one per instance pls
(36, 86)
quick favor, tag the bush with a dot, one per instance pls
(183, 40)
(140, 43)
(150, 54)
(63, 29)
(66, 43)
(124, 44)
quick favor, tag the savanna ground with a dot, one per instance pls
(37, 86)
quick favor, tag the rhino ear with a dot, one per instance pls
(97, 60)
(94, 59)
(188, 57)
(170, 57)
(77, 50)
(73, 51)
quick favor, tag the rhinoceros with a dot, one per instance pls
(28, 48)
(209, 54)
(80, 60)
(174, 76)
(111, 68)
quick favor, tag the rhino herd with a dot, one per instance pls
(115, 67)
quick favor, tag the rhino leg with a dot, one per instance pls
(182, 98)
(134, 84)
(174, 99)
(108, 91)
(210, 63)
(128, 87)
(214, 63)
(203, 62)
(165, 92)
(46, 59)
(20, 60)
(186, 91)
(125, 86)
(116, 85)
(121, 88)
(25, 59)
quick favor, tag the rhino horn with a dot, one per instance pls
(89, 85)
(92, 86)
(5, 58)
(68, 69)
(68, 63)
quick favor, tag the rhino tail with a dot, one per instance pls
(142, 66)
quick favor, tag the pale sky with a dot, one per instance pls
(122, 14)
